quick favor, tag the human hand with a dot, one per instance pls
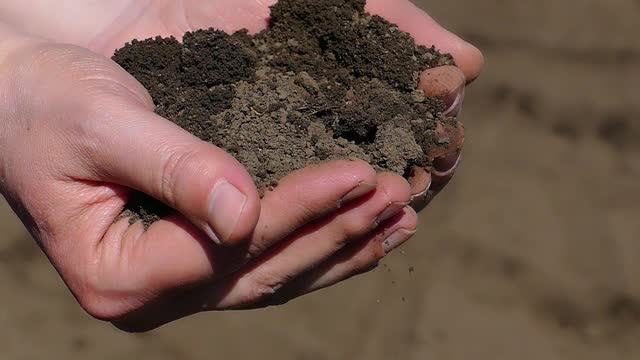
(104, 26)
(81, 134)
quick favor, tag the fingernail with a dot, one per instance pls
(420, 182)
(446, 83)
(411, 211)
(360, 190)
(474, 62)
(392, 210)
(396, 239)
(445, 165)
(226, 204)
(454, 102)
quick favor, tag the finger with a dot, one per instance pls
(307, 195)
(452, 134)
(443, 171)
(301, 251)
(355, 259)
(446, 83)
(171, 255)
(313, 245)
(199, 180)
(427, 32)
(445, 159)
(420, 182)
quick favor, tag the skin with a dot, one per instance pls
(77, 134)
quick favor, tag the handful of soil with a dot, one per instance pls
(326, 81)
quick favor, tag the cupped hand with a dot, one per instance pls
(79, 135)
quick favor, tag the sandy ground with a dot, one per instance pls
(532, 253)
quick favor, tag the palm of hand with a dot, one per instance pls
(141, 19)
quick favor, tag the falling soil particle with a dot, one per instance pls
(326, 81)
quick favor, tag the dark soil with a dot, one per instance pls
(326, 81)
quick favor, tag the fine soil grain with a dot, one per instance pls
(326, 81)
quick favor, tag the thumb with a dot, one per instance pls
(201, 181)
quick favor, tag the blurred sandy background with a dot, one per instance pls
(533, 252)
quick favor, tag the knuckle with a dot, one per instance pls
(355, 227)
(176, 164)
(367, 258)
(256, 249)
(264, 287)
(260, 294)
(384, 196)
(342, 241)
